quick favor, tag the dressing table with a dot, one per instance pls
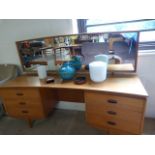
(116, 105)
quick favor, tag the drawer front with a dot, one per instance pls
(23, 103)
(14, 93)
(116, 113)
(100, 101)
(34, 113)
(114, 123)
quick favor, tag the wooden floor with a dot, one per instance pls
(61, 122)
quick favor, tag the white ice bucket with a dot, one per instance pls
(98, 71)
(42, 72)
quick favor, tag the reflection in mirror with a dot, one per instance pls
(121, 48)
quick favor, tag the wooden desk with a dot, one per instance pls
(116, 105)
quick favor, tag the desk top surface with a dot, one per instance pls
(130, 85)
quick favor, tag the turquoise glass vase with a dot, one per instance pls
(76, 62)
(67, 71)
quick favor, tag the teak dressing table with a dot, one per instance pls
(116, 105)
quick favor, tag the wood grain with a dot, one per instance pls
(124, 103)
(115, 105)
(111, 111)
(130, 85)
(114, 123)
(70, 95)
(49, 99)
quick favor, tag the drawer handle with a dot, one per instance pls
(112, 101)
(19, 94)
(25, 111)
(112, 112)
(111, 123)
(22, 103)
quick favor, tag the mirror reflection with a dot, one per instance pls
(120, 47)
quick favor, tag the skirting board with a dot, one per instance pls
(71, 106)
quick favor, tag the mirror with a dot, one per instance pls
(121, 48)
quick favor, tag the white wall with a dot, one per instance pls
(12, 30)
(146, 68)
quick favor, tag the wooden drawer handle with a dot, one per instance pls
(112, 112)
(25, 111)
(19, 94)
(22, 103)
(112, 101)
(111, 123)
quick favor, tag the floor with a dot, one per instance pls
(61, 122)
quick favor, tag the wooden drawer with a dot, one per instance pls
(100, 101)
(14, 93)
(23, 103)
(116, 113)
(33, 113)
(114, 123)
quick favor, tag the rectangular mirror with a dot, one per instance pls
(121, 48)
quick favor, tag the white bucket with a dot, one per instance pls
(102, 57)
(42, 72)
(98, 71)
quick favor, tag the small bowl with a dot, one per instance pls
(80, 80)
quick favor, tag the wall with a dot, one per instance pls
(146, 67)
(15, 30)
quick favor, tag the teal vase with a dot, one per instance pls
(67, 71)
(76, 62)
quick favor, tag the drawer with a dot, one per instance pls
(20, 93)
(23, 103)
(114, 123)
(33, 113)
(100, 101)
(116, 113)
